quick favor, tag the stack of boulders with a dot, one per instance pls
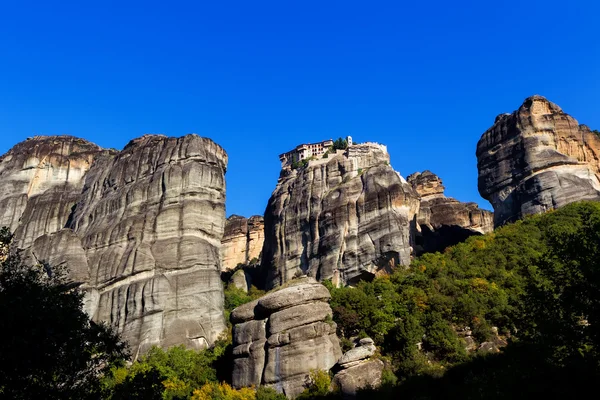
(357, 369)
(283, 336)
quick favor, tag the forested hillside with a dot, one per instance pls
(533, 285)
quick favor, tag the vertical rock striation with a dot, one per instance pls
(140, 229)
(341, 217)
(444, 221)
(279, 338)
(536, 159)
(242, 241)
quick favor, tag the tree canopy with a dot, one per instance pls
(49, 347)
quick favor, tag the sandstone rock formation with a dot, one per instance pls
(140, 229)
(536, 159)
(279, 338)
(444, 221)
(344, 217)
(358, 370)
(242, 241)
(239, 279)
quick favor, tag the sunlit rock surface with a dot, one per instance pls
(140, 229)
(444, 221)
(242, 241)
(345, 217)
(279, 338)
(536, 159)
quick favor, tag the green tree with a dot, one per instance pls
(340, 144)
(49, 347)
(267, 393)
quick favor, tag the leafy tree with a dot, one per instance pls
(319, 386)
(178, 370)
(340, 144)
(222, 391)
(49, 347)
(267, 393)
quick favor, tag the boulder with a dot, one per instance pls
(358, 353)
(363, 375)
(239, 280)
(279, 338)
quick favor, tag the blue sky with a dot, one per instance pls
(426, 78)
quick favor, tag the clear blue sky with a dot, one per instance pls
(426, 78)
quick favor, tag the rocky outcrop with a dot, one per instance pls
(139, 229)
(444, 221)
(536, 159)
(358, 370)
(279, 338)
(344, 217)
(42, 178)
(242, 242)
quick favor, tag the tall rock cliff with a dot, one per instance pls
(536, 159)
(242, 241)
(140, 229)
(444, 221)
(340, 217)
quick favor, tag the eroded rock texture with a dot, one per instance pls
(279, 338)
(536, 159)
(358, 370)
(444, 221)
(341, 217)
(140, 229)
(242, 241)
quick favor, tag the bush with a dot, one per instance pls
(267, 393)
(318, 387)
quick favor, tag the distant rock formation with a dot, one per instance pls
(444, 221)
(242, 241)
(279, 338)
(346, 217)
(139, 229)
(357, 370)
(536, 159)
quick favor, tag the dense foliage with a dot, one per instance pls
(49, 348)
(340, 144)
(537, 281)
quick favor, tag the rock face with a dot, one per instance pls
(139, 229)
(444, 221)
(358, 370)
(279, 338)
(536, 159)
(242, 241)
(344, 217)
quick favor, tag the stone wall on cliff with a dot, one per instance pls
(444, 221)
(343, 218)
(536, 159)
(242, 242)
(139, 229)
(279, 338)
